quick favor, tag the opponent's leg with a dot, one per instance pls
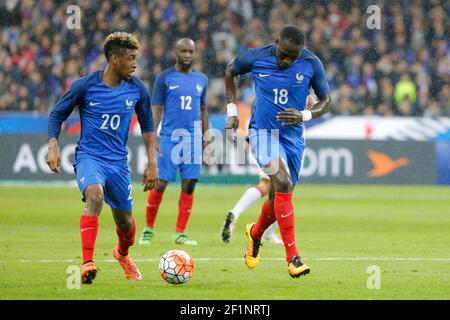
(270, 235)
(250, 197)
(184, 211)
(126, 230)
(154, 200)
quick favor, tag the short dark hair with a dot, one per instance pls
(117, 42)
(293, 34)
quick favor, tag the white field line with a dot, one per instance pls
(240, 259)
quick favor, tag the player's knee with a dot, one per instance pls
(94, 199)
(124, 222)
(162, 185)
(188, 186)
(284, 186)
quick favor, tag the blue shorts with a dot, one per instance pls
(179, 155)
(267, 146)
(115, 179)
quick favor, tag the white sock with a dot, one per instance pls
(270, 231)
(250, 196)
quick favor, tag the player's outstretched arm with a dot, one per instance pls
(60, 112)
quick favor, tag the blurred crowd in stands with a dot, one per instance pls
(403, 68)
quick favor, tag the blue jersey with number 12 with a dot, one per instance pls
(279, 89)
(182, 95)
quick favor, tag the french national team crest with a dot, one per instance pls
(129, 103)
(299, 77)
(199, 88)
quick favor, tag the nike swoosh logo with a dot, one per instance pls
(94, 103)
(264, 75)
(173, 87)
(85, 229)
(291, 244)
(287, 215)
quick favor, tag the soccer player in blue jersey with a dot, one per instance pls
(283, 73)
(250, 197)
(179, 98)
(106, 100)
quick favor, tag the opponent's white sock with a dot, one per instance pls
(270, 231)
(250, 196)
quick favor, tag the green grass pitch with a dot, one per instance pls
(341, 232)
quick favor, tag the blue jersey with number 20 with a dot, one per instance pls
(105, 115)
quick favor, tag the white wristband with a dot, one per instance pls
(232, 110)
(306, 114)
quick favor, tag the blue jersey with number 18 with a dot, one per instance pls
(105, 115)
(279, 89)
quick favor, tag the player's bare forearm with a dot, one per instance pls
(157, 115)
(321, 107)
(53, 156)
(230, 91)
(151, 172)
(206, 135)
(230, 86)
(149, 139)
(52, 142)
(205, 124)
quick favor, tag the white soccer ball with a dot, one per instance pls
(176, 266)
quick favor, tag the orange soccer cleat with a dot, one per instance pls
(128, 265)
(88, 272)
